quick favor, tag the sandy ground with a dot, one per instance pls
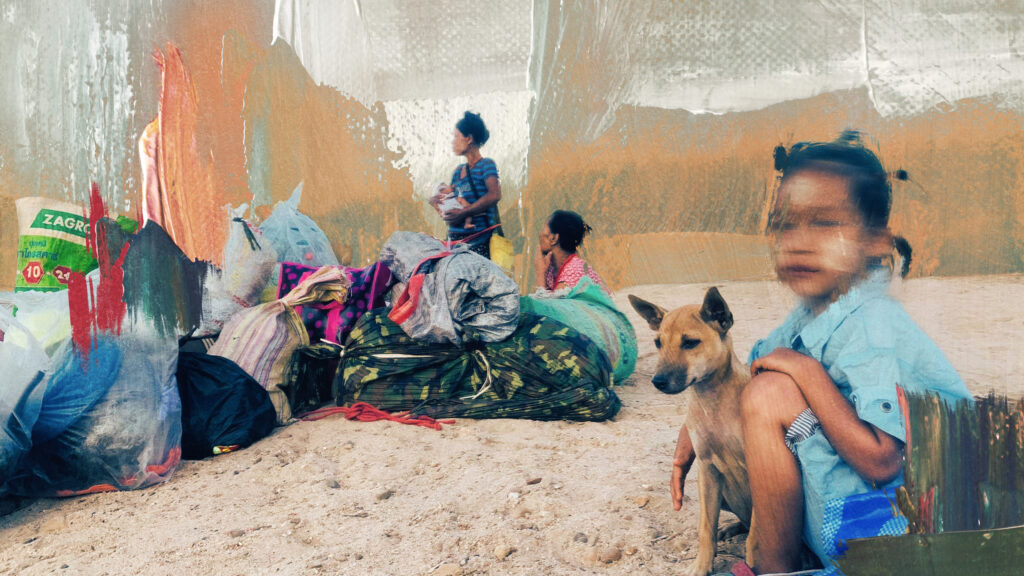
(479, 497)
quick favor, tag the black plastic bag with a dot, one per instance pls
(222, 407)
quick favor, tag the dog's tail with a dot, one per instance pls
(904, 253)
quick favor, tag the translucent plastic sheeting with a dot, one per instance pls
(653, 119)
(385, 50)
(740, 55)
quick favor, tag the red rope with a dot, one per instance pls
(364, 412)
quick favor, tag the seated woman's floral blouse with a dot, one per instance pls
(574, 269)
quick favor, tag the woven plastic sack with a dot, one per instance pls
(249, 262)
(51, 244)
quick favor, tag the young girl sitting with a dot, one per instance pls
(822, 426)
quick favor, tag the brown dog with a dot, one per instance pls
(695, 352)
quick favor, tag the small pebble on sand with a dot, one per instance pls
(609, 554)
(502, 551)
(447, 570)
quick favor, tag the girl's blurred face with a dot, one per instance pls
(460, 143)
(821, 245)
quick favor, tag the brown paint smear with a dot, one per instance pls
(269, 126)
(655, 172)
(297, 131)
(222, 42)
(672, 196)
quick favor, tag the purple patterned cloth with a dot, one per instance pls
(334, 321)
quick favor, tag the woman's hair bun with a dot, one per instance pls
(779, 155)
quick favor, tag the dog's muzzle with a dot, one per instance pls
(670, 382)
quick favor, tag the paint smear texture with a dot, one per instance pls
(99, 308)
(655, 120)
(189, 207)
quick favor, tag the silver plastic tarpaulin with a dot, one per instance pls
(464, 298)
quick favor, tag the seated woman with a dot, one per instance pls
(570, 292)
(557, 265)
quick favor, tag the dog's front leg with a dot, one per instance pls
(709, 487)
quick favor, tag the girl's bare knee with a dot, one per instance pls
(773, 395)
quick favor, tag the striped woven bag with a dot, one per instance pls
(262, 339)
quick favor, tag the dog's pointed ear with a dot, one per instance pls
(716, 312)
(653, 313)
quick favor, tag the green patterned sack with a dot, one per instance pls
(544, 371)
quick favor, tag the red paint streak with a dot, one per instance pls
(81, 317)
(97, 309)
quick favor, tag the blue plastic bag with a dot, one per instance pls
(295, 237)
(22, 387)
(75, 386)
(127, 439)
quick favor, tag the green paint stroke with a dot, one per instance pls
(965, 466)
(982, 552)
(964, 493)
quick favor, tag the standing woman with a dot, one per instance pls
(475, 183)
